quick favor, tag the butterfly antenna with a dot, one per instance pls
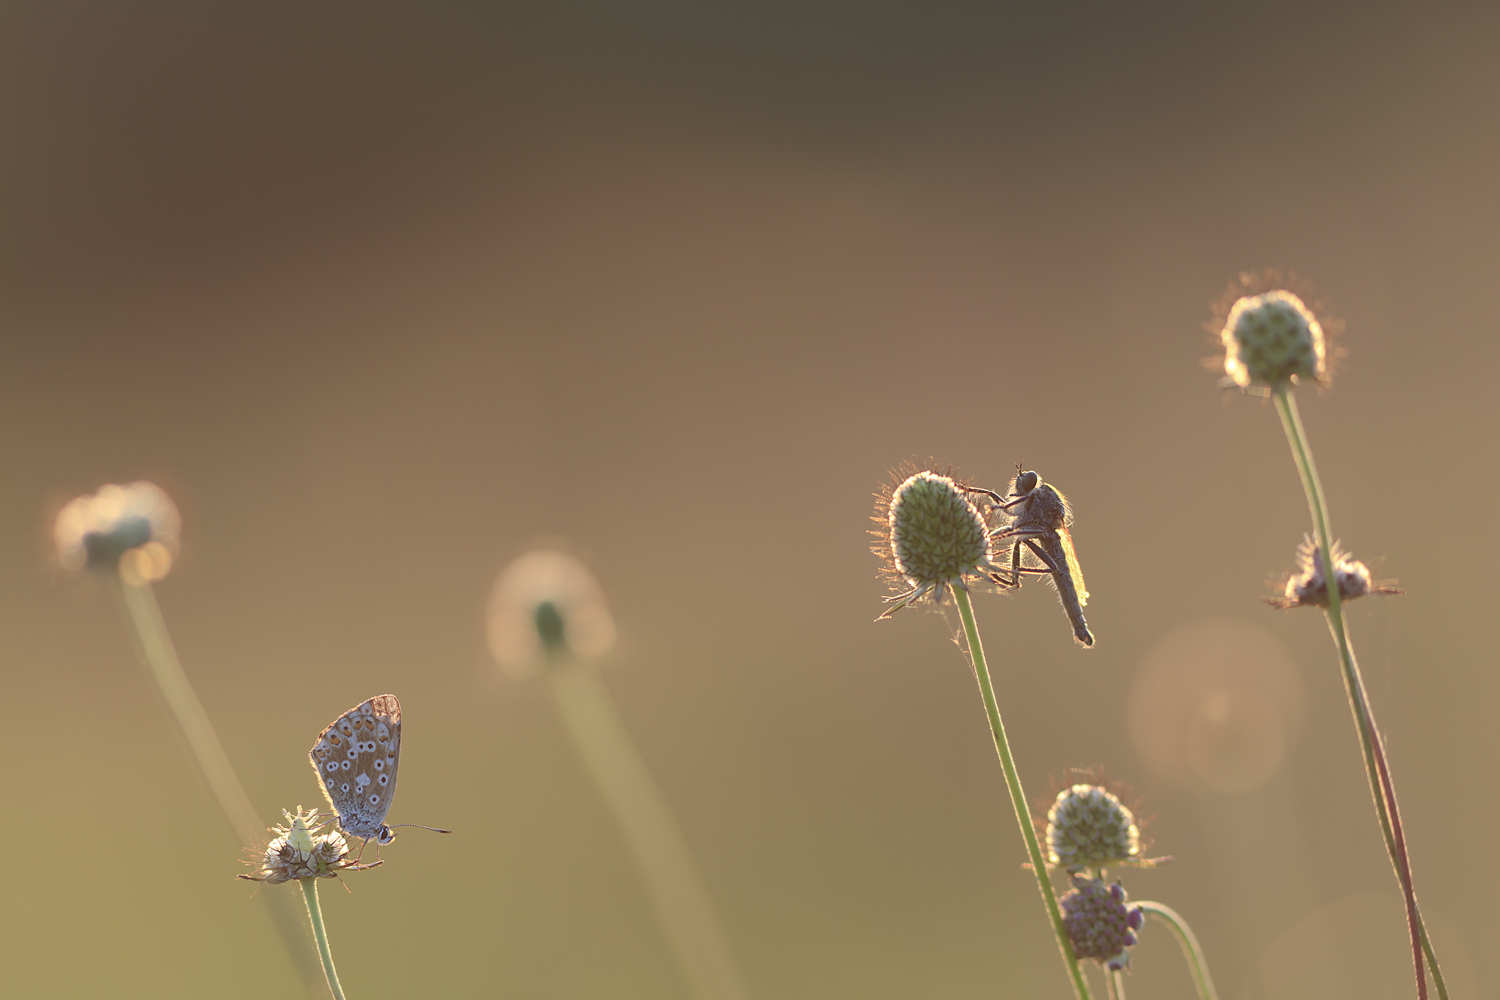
(419, 826)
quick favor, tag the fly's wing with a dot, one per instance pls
(1074, 571)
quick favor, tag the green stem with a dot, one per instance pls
(660, 849)
(314, 911)
(154, 646)
(1018, 796)
(1109, 985)
(1376, 771)
(1117, 984)
(1191, 950)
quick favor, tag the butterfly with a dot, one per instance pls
(356, 759)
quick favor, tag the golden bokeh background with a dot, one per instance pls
(381, 293)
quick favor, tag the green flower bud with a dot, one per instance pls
(1271, 339)
(932, 537)
(937, 534)
(1089, 827)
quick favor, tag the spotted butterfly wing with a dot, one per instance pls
(356, 759)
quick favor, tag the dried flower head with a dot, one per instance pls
(1270, 335)
(1101, 922)
(307, 847)
(931, 535)
(1308, 585)
(547, 604)
(131, 530)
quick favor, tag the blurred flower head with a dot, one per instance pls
(930, 536)
(544, 605)
(306, 847)
(1270, 336)
(1307, 586)
(1100, 921)
(131, 530)
(1088, 827)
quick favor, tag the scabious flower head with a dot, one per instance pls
(1271, 339)
(306, 847)
(1100, 921)
(1089, 827)
(931, 535)
(131, 530)
(545, 605)
(1270, 336)
(1308, 585)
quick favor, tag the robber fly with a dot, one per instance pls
(1041, 517)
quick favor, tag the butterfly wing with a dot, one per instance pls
(1066, 537)
(356, 759)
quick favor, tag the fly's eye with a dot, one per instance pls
(1026, 482)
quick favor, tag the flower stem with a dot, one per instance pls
(1017, 796)
(315, 912)
(642, 811)
(1116, 984)
(1191, 950)
(1376, 770)
(154, 646)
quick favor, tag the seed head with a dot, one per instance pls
(1100, 921)
(131, 530)
(307, 847)
(546, 605)
(1271, 330)
(932, 536)
(1271, 339)
(1308, 585)
(1089, 827)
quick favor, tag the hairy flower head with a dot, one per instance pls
(1089, 827)
(1269, 334)
(306, 847)
(1100, 921)
(131, 530)
(931, 535)
(1307, 586)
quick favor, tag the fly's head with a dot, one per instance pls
(1043, 506)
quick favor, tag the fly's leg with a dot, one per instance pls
(1044, 556)
(984, 492)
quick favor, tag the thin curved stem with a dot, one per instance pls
(154, 646)
(1382, 790)
(1018, 796)
(1191, 950)
(1117, 983)
(660, 849)
(310, 894)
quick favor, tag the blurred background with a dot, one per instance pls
(380, 293)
